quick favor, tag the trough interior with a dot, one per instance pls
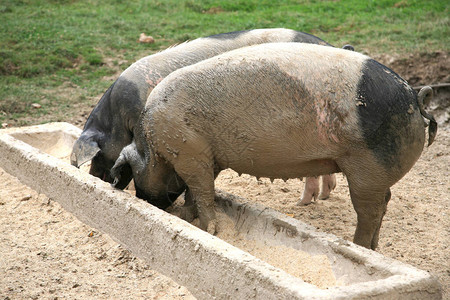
(272, 240)
(55, 143)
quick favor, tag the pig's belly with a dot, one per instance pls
(285, 170)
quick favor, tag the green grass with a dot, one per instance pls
(58, 52)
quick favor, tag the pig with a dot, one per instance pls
(110, 125)
(280, 110)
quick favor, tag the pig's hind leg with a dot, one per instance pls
(189, 210)
(328, 184)
(370, 193)
(370, 207)
(310, 192)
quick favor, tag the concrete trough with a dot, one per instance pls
(208, 266)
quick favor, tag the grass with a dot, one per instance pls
(58, 52)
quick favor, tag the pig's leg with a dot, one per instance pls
(387, 197)
(370, 207)
(189, 210)
(201, 190)
(369, 185)
(369, 197)
(198, 173)
(328, 184)
(310, 192)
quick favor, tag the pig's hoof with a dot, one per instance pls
(189, 213)
(303, 202)
(324, 196)
(211, 229)
(208, 225)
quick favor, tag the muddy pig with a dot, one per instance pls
(281, 110)
(110, 125)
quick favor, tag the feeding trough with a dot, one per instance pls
(207, 265)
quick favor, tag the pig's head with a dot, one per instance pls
(92, 146)
(107, 131)
(155, 181)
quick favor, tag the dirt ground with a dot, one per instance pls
(46, 253)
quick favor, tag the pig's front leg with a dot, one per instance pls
(197, 171)
(189, 210)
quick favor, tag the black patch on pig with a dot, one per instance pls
(303, 37)
(96, 119)
(382, 103)
(110, 120)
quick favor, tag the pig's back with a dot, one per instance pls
(272, 92)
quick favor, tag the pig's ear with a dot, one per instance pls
(127, 158)
(84, 150)
(348, 47)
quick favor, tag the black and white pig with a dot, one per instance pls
(110, 125)
(282, 110)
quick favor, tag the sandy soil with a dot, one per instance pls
(45, 253)
(314, 269)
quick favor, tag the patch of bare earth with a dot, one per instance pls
(47, 253)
